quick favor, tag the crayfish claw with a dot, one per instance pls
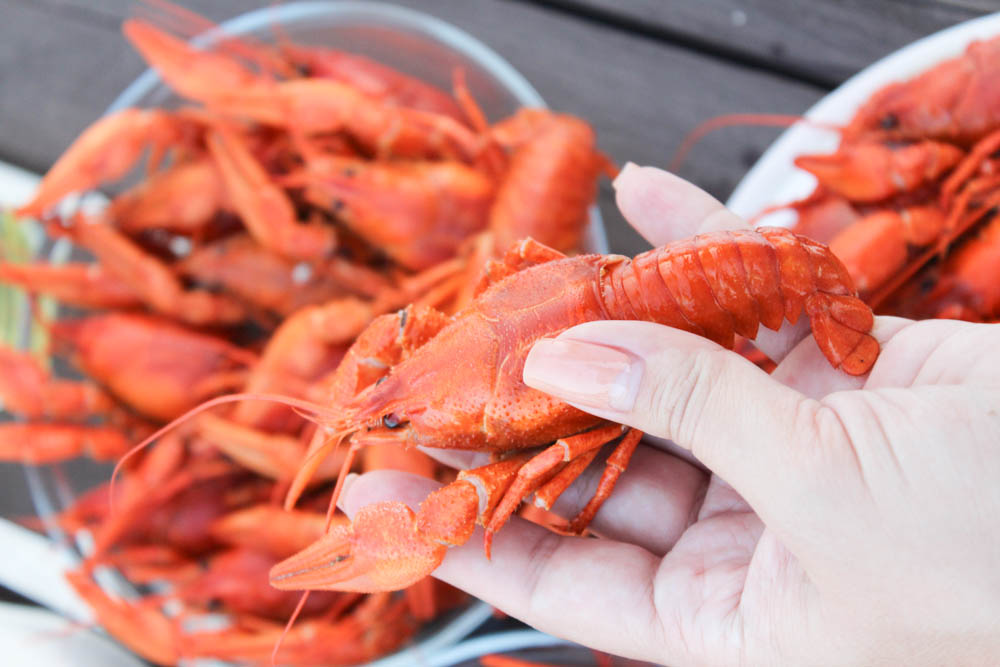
(382, 550)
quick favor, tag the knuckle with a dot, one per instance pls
(817, 422)
(681, 397)
(824, 451)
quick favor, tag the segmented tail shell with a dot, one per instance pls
(726, 283)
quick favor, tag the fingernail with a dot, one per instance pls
(348, 481)
(628, 167)
(587, 374)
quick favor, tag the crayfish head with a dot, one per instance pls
(419, 425)
(438, 397)
(381, 550)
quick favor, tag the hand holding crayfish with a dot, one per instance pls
(844, 520)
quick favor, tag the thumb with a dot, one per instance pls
(748, 428)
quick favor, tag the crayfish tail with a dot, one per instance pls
(841, 326)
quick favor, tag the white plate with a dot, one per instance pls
(16, 185)
(774, 179)
(32, 637)
(34, 566)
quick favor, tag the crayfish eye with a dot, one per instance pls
(889, 121)
(391, 421)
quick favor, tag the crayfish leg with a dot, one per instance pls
(547, 494)
(545, 466)
(613, 468)
(104, 152)
(28, 389)
(272, 455)
(76, 284)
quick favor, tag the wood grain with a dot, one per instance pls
(66, 61)
(821, 42)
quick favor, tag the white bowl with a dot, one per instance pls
(415, 43)
(774, 179)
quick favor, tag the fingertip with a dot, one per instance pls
(461, 459)
(559, 584)
(664, 207)
(384, 485)
(625, 174)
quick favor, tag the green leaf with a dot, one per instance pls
(17, 326)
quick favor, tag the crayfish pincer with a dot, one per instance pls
(715, 285)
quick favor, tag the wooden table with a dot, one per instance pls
(643, 72)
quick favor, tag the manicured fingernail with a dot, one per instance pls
(348, 481)
(587, 374)
(628, 167)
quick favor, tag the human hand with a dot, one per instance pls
(857, 522)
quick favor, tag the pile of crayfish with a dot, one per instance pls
(291, 207)
(908, 201)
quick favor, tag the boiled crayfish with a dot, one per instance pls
(716, 285)
(915, 175)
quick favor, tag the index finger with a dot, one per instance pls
(665, 208)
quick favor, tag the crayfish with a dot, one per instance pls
(915, 175)
(716, 285)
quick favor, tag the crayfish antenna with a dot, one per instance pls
(338, 488)
(319, 450)
(729, 120)
(288, 627)
(474, 114)
(314, 409)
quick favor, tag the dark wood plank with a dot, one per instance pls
(59, 71)
(15, 494)
(66, 61)
(822, 42)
